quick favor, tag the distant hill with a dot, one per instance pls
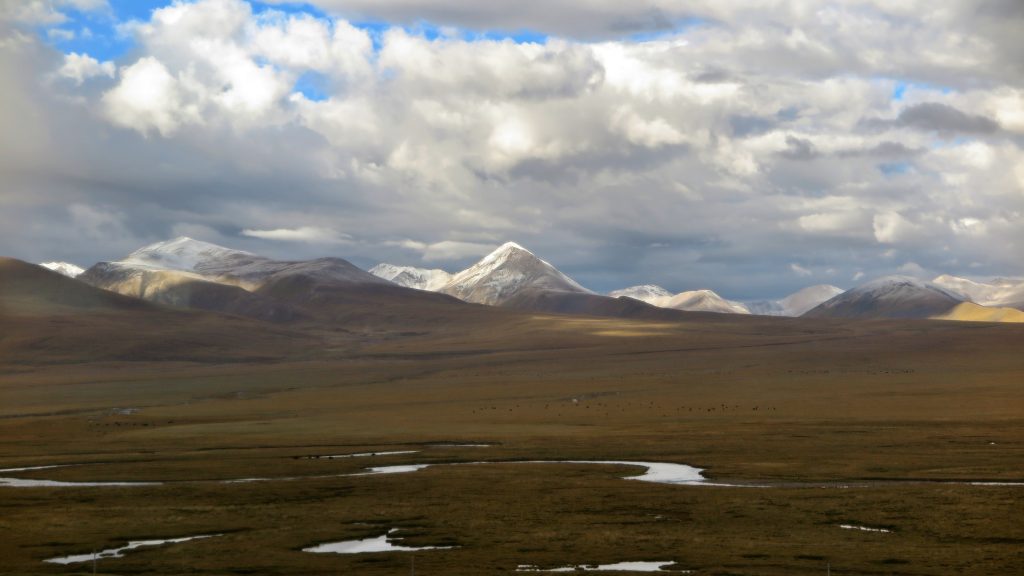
(890, 297)
(189, 273)
(186, 290)
(704, 301)
(998, 292)
(412, 277)
(971, 312)
(797, 303)
(28, 289)
(690, 301)
(48, 318)
(650, 293)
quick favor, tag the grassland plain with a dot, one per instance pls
(876, 424)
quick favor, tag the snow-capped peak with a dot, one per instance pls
(501, 254)
(501, 275)
(511, 246)
(803, 300)
(182, 253)
(650, 293)
(886, 285)
(412, 277)
(65, 268)
(890, 297)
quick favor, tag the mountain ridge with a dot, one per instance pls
(889, 297)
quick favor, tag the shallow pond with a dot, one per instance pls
(119, 552)
(643, 566)
(382, 543)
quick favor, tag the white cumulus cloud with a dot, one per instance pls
(81, 67)
(311, 234)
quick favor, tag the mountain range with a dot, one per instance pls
(946, 297)
(193, 274)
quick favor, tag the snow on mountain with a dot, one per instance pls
(412, 277)
(191, 273)
(703, 301)
(182, 253)
(890, 297)
(228, 266)
(506, 273)
(649, 293)
(997, 292)
(803, 300)
(796, 303)
(692, 301)
(65, 268)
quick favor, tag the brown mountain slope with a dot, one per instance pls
(575, 303)
(186, 290)
(377, 306)
(27, 289)
(47, 318)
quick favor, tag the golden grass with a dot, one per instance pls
(971, 312)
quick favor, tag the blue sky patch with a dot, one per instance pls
(895, 168)
(313, 86)
(901, 87)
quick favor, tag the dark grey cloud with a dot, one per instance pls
(939, 117)
(799, 149)
(743, 126)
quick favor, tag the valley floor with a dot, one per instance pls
(835, 427)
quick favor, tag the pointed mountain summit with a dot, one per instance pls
(412, 277)
(890, 297)
(66, 268)
(509, 272)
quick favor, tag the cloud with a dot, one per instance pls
(594, 18)
(148, 98)
(81, 67)
(709, 153)
(939, 117)
(311, 234)
(448, 250)
(800, 270)
(44, 12)
(892, 228)
(60, 34)
(652, 133)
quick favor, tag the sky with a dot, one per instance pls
(752, 147)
